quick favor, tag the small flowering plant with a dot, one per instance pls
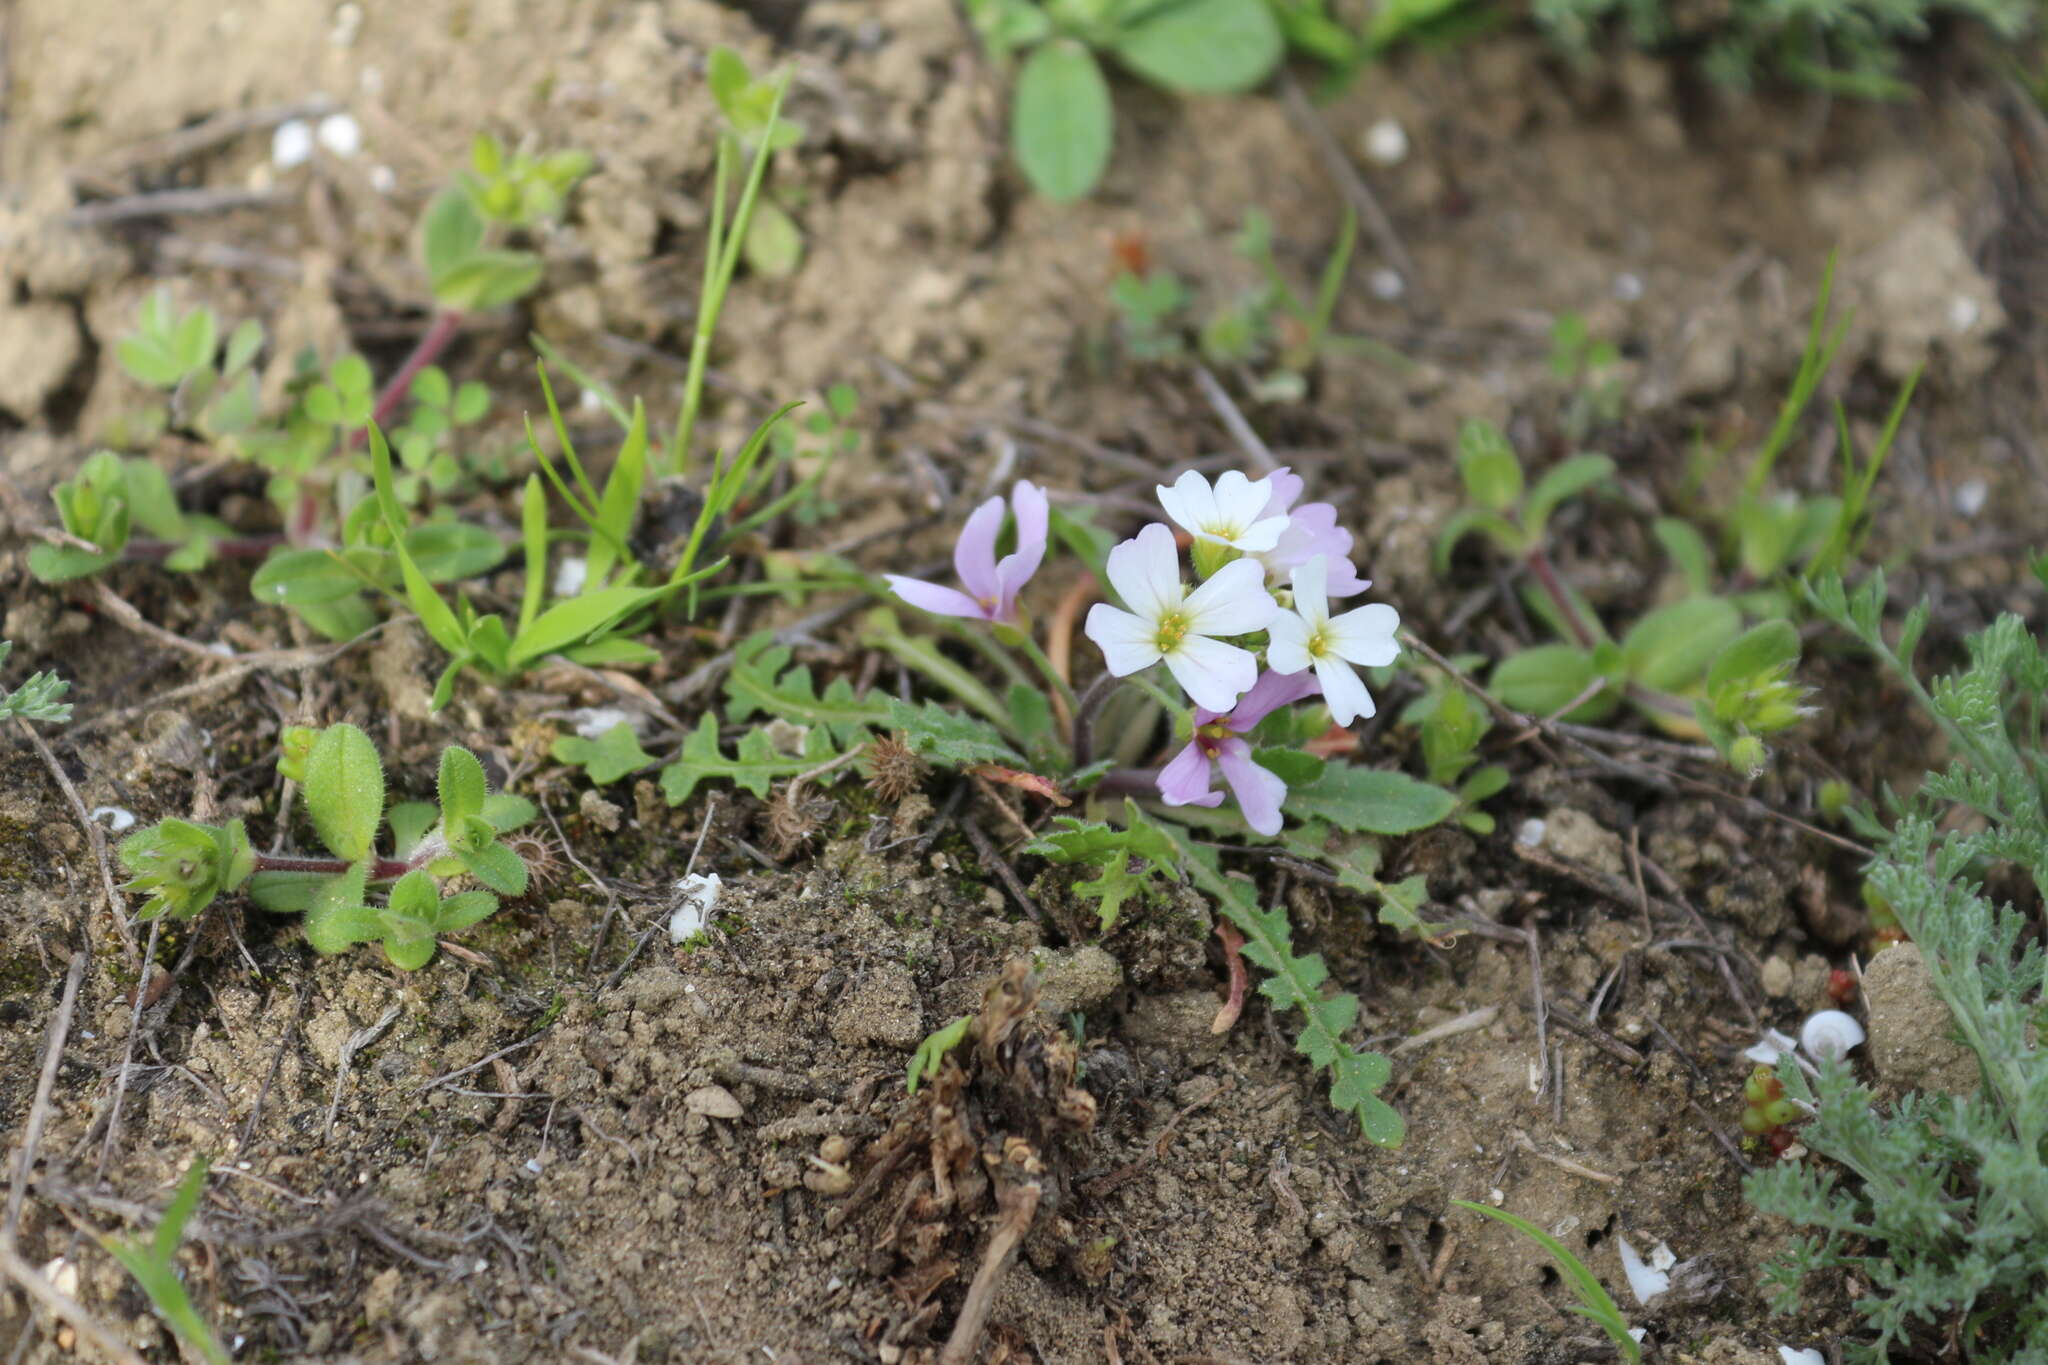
(1227, 647)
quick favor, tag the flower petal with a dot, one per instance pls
(1285, 487)
(1344, 579)
(1214, 674)
(1366, 636)
(1311, 591)
(1271, 692)
(1185, 781)
(1189, 501)
(974, 554)
(1232, 602)
(1258, 791)
(935, 598)
(1343, 690)
(1128, 643)
(1145, 571)
(1287, 643)
(1015, 569)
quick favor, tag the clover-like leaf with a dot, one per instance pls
(607, 758)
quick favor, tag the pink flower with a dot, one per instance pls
(991, 584)
(1312, 530)
(1219, 740)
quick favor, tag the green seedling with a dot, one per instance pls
(1313, 30)
(1590, 367)
(117, 508)
(931, 1053)
(1453, 723)
(1128, 862)
(772, 244)
(1062, 123)
(1688, 666)
(1593, 1299)
(153, 1262)
(38, 697)
(209, 384)
(183, 866)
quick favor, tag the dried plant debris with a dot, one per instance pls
(985, 1142)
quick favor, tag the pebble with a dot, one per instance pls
(713, 1101)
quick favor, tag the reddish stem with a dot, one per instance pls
(381, 869)
(143, 549)
(1553, 588)
(446, 324)
(1234, 960)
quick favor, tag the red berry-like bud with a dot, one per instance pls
(1781, 1142)
(1841, 985)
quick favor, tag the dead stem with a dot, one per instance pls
(39, 1111)
(1017, 1195)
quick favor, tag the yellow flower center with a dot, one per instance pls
(1318, 644)
(1170, 630)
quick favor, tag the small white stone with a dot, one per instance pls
(1963, 312)
(1628, 286)
(570, 575)
(63, 1277)
(1662, 1257)
(714, 1102)
(1793, 1356)
(1971, 495)
(590, 400)
(383, 179)
(1386, 143)
(118, 820)
(1386, 283)
(1530, 834)
(341, 134)
(1644, 1282)
(1831, 1033)
(696, 897)
(292, 144)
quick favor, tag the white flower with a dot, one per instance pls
(1794, 1356)
(1309, 637)
(1166, 621)
(1232, 513)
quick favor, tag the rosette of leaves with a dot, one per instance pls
(467, 269)
(209, 383)
(104, 505)
(1062, 122)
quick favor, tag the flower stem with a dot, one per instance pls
(1085, 711)
(1063, 699)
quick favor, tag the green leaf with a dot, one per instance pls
(1061, 121)
(1488, 464)
(410, 821)
(450, 233)
(774, 245)
(151, 360)
(1688, 550)
(487, 279)
(949, 739)
(344, 790)
(1544, 680)
(497, 867)
(931, 1053)
(606, 759)
(1111, 852)
(756, 765)
(1670, 648)
(1768, 648)
(463, 909)
(1203, 47)
(336, 918)
(753, 688)
(620, 500)
(1594, 1300)
(62, 563)
(301, 578)
(1563, 480)
(1370, 801)
(434, 613)
(579, 618)
(461, 786)
(727, 75)
(505, 812)
(447, 551)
